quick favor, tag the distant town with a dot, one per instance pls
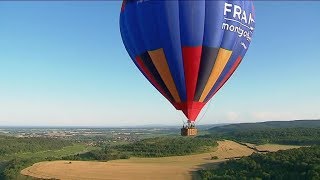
(91, 136)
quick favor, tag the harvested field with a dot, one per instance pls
(275, 147)
(269, 147)
(176, 167)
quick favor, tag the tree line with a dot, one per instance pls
(10, 145)
(153, 147)
(302, 163)
(168, 146)
(292, 136)
(11, 164)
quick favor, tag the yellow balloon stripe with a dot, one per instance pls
(160, 62)
(221, 61)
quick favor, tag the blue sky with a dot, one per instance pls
(63, 63)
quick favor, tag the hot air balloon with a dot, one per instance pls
(187, 49)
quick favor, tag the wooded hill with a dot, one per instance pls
(168, 146)
(300, 132)
(10, 145)
(266, 125)
(302, 163)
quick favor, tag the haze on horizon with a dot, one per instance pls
(64, 64)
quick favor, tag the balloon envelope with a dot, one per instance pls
(187, 49)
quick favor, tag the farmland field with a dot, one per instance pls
(175, 167)
(68, 150)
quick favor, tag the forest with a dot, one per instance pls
(152, 147)
(11, 145)
(302, 163)
(292, 136)
(168, 146)
(266, 125)
(17, 159)
(18, 153)
(293, 132)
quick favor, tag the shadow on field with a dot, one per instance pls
(195, 175)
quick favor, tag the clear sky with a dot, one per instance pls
(63, 63)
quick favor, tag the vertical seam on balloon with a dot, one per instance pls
(198, 90)
(178, 80)
(191, 85)
(202, 50)
(184, 71)
(204, 73)
(139, 25)
(125, 37)
(163, 69)
(221, 61)
(148, 76)
(178, 97)
(233, 48)
(230, 73)
(204, 30)
(151, 78)
(128, 36)
(146, 59)
(184, 66)
(143, 42)
(221, 41)
(134, 51)
(153, 71)
(179, 14)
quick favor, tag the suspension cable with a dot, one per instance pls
(205, 112)
(182, 118)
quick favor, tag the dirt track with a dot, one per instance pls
(176, 167)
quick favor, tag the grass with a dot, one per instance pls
(68, 150)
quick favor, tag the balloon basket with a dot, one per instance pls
(189, 130)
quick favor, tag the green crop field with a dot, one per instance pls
(18, 153)
(65, 151)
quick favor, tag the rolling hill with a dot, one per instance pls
(267, 125)
(299, 132)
